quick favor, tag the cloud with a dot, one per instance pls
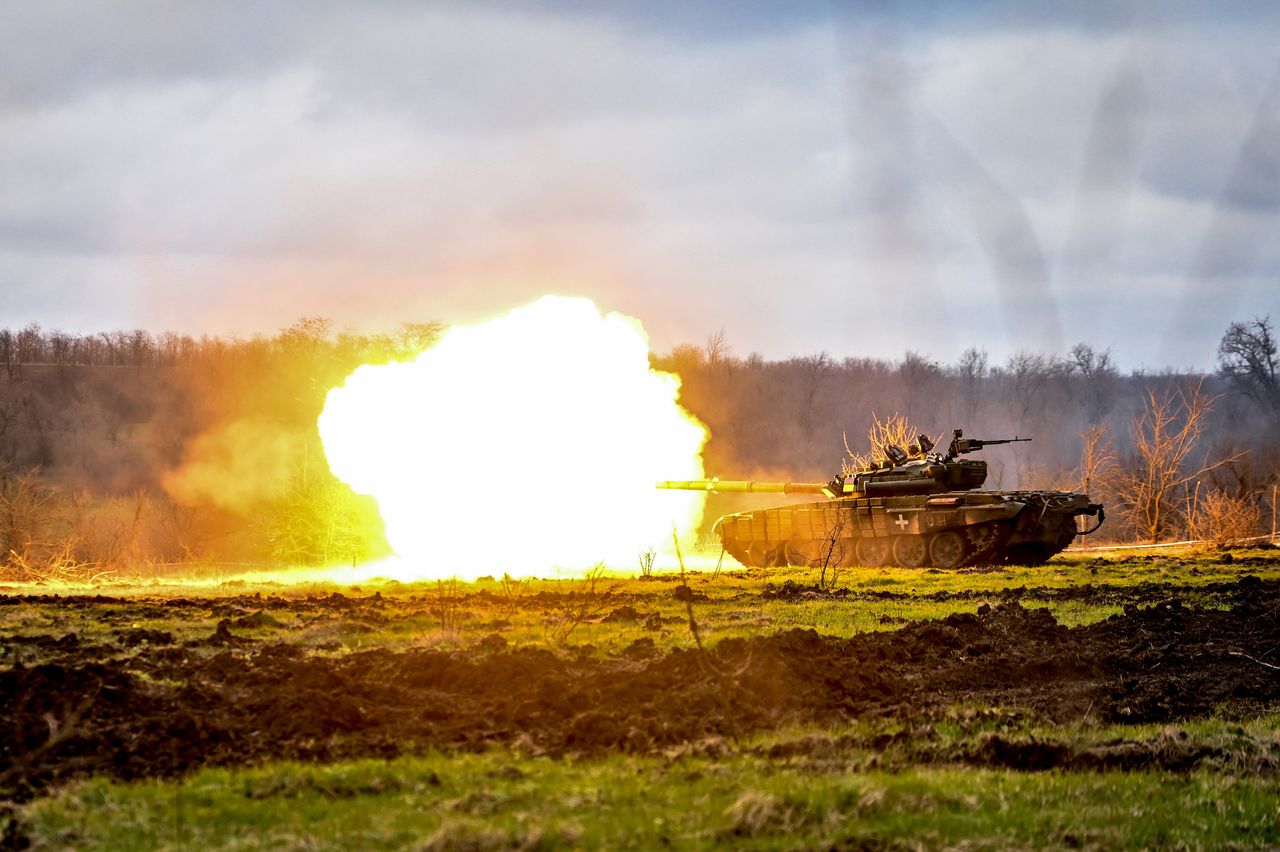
(864, 181)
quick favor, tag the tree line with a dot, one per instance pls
(32, 345)
(127, 448)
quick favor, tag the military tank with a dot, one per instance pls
(913, 508)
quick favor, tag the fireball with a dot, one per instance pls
(527, 445)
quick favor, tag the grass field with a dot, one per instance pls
(740, 709)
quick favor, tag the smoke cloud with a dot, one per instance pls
(235, 466)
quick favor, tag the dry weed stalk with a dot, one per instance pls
(646, 562)
(448, 608)
(688, 601)
(728, 680)
(511, 591)
(582, 603)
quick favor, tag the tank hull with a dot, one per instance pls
(946, 530)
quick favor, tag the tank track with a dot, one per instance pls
(985, 544)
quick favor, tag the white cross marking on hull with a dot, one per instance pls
(901, 523)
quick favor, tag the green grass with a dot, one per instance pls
(504, 800)
(846, 786)
(871, 599)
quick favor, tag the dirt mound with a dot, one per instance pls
(171, 708)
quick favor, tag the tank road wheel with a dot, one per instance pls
(765, 555)
(803, 552)
(910, 551)
(986, 541)
(872, 551)
(948, 549)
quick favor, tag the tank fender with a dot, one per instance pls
(1003, 511)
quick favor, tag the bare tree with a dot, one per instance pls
(419, 336)
(60, 347)
(919, 374)
(717, 349)
(1099, 375)
(105, 350)
(1164, 435)
(120, 347)
(306, 337)
(141, 347)
(31, 345)
(973, 368)
(9, 354)
(815, 371)
(1029, 373)
(1247, 355)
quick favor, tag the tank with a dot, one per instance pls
(916, 507)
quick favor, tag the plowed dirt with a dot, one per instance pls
(175, 707)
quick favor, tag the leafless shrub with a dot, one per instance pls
(1097, 459)
(832, 555)
(582, 603)
(1216, 516)
(510, 592)
(28, 507)
(37, 543)
(113, 531)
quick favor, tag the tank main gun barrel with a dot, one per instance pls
(738, 486)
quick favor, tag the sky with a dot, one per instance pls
(862, 179)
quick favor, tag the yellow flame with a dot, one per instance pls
(529, 444)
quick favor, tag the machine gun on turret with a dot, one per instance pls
(961, 445)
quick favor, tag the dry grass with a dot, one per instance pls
(1219, 518)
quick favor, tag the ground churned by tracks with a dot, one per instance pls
(175, 707)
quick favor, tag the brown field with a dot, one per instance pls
(142, 683)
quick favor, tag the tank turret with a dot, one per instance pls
(912, 508)
(920, 470)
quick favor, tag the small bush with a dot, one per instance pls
(1219, 518)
